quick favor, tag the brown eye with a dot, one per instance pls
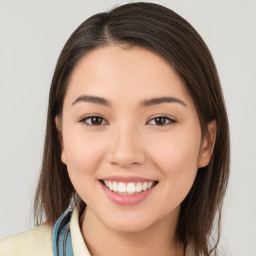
(96, 120)
(93, 121)
(161, 121)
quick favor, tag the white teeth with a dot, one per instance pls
(145, 186)
(115, 186)
(121, 187)
(131, 188)
(150, 184)
(138, 187)
(110, 185)
(128, 188)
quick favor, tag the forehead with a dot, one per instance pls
(125, 73)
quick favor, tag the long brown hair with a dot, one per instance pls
(161, 30)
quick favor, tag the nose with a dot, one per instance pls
(126, 147)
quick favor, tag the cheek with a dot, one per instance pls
(83, 155)
(178, 147)
(176, 156)
(182, 154)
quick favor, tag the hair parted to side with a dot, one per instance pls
(161, 30)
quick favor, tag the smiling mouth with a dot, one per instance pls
(130, 188)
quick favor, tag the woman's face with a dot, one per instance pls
(129, 122)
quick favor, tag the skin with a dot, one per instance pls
(129, 142)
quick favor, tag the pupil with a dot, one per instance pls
(160, 120)
(96, 120)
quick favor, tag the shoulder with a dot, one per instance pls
(36, 241)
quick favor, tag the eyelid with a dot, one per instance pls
(88, 116)
(171, 119)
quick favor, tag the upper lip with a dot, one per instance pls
(126, 179)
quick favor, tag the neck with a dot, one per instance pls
(158, 239)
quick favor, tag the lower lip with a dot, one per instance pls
(127, 199)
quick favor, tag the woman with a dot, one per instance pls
(136, 157)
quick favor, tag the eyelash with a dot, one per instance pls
(84, 119)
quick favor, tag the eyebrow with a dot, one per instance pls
(144, 103)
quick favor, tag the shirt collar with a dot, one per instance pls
(79, 247)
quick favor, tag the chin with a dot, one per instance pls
(129, 224)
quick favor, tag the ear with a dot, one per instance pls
(207, 145)
(60, 137)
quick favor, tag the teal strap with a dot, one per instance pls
(61, 236)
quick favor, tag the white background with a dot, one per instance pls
(32, 34)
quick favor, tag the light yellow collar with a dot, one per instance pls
(79, 247)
